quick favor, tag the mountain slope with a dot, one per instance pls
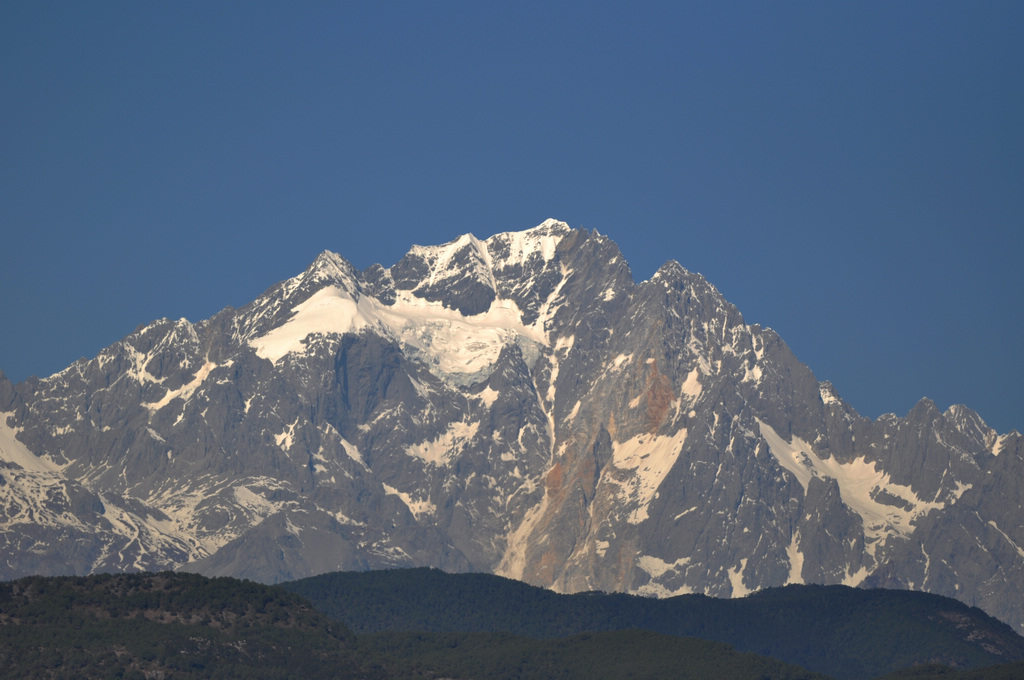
(847, 633)
(515, 405)
(636, 654)
(175, 626)
(167, 626)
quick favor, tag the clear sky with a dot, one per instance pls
(850, 174)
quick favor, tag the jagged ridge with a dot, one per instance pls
(516, 405)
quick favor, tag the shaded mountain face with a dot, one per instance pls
(845, 633)
(517, 406)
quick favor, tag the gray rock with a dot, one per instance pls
(516, 405)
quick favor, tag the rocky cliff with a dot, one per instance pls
(516, 405)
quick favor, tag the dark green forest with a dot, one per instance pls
(423, 624)
(183, 625)
(636, 654)
(847, 633)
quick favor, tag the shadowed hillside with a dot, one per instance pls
(844, 632)
(181, 626)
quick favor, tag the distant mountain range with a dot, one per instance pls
(516, 406)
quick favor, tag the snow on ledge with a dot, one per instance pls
(13, 451)
(860, 483)
(650, 457)
(450, 342)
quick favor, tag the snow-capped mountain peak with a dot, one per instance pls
(516, 404)
(517, 248)
(460, 341)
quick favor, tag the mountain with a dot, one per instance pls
(846, 633)
(516, 405)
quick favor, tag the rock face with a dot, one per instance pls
(516, 405)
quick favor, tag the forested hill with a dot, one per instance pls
(166, 625)
(183, 626)
(180, 626)
(844, 632)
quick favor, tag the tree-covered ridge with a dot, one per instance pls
(176, 626)
(633, 654)
(845, 632)
(168, 597)
(166, 625)
(1009, 671)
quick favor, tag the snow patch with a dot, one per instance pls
(564, 343)
(444, 448)
(999, 443)
(541, 241)
(796, 560)
(329, 310)
(518, 540)
(185, 391)
(13, 451)
(285, 439)
(1020, 551)
(417, 508)
(692, 386)
(736, 579)
(488, 396)
(855, 578)
(454, 344)
(344, 519)
(860, 484)
(828, 396)
(254, 503)
(440, 260)
(655, 566)
(649, 457)
(147, 533)
(658, 568)
(449, 343)
(683, 514)
(352, 451)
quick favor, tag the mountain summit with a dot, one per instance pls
(515, 405)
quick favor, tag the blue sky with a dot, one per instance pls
(850, 174)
